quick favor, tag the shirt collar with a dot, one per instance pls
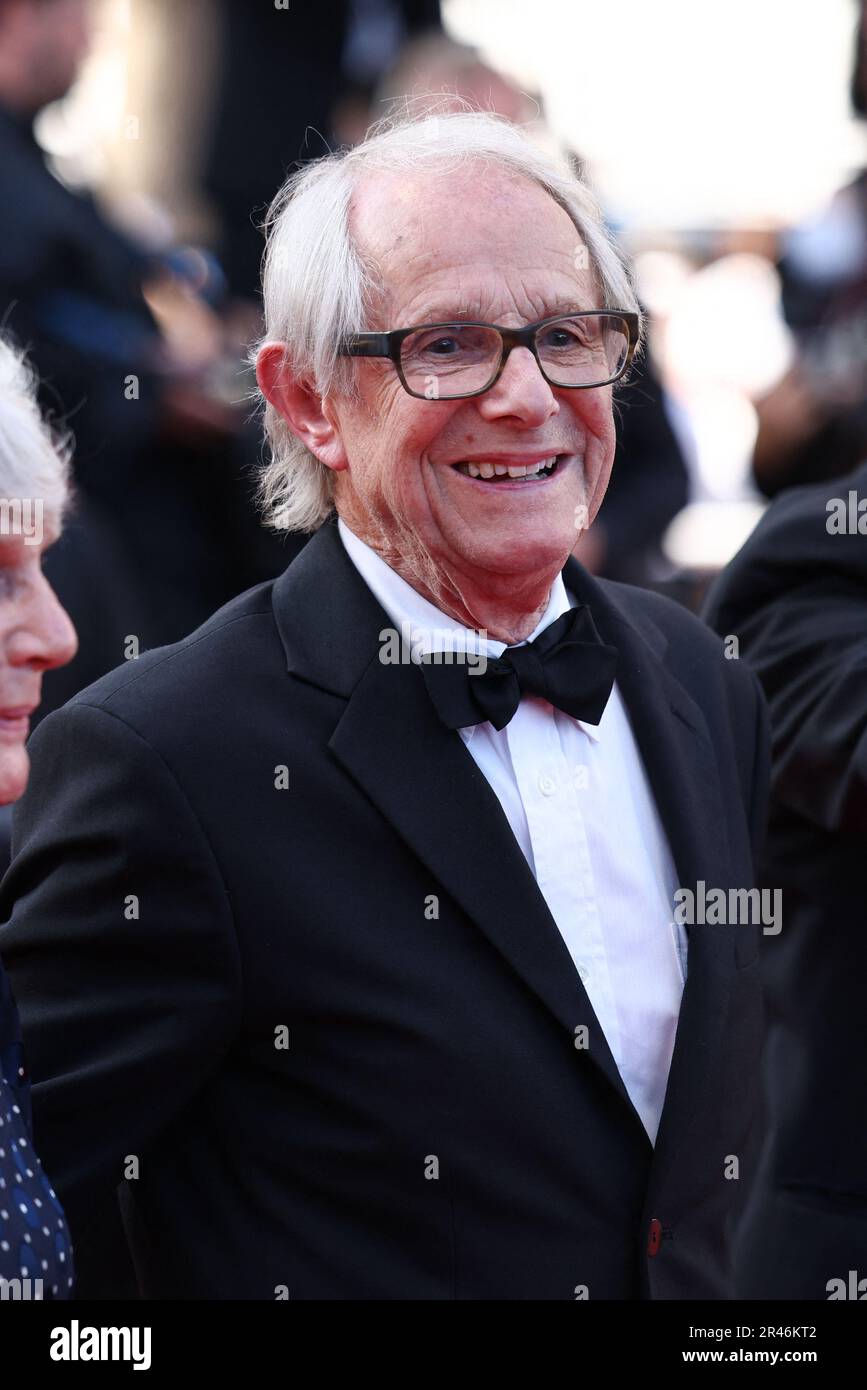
(404, 605)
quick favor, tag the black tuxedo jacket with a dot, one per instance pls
(796, 596)
(322, 1035)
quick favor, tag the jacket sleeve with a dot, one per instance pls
(750, 740)
(761, 770)
(119, 942)
(810, 650)
(796, 596)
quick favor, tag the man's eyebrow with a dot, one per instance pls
(435, 313)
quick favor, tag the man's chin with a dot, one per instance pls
(516, 531)
(521, 544)
(14, 772)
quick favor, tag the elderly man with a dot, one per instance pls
(346, 928)
(36, 635)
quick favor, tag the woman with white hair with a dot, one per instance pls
(35, 635)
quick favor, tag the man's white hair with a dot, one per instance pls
(319, 285)
(34, 463)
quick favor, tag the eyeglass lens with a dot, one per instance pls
(580, 351)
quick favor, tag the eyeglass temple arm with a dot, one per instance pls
(366, 345)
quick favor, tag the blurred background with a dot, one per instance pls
(142, 140)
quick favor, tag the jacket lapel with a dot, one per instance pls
(678, 753)
(425, 783)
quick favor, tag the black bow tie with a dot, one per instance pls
(567, 664)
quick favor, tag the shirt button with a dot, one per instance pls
(654, 1237)
(584, 972)
(547, 785)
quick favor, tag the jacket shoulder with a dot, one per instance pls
(702, 660)
(212, 657)
(683, 630)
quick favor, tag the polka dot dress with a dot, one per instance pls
(34, 1240)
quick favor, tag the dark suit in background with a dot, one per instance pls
(796, 596)
(172, 908)
(281, 74)
(165, 529)
(649, 481)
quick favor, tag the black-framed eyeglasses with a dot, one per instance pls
(448, 361)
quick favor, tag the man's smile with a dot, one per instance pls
(508, 474)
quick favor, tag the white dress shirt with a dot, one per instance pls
(578, 800)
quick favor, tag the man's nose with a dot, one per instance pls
(521, 391)
(45, 636)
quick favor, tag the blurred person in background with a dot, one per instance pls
(649, 485)
(165, 526)
(289, 79)
(435, 65)
(796, 598)
(813, 424)
(36, 635)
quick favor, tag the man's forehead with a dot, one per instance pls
(442, 241)
(394, 211)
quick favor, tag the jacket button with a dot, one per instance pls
(654, 1237)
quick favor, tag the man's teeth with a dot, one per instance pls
(501, 470)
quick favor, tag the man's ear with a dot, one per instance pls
(300, 404)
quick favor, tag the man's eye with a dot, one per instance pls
(442, 346)
(566, 337)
